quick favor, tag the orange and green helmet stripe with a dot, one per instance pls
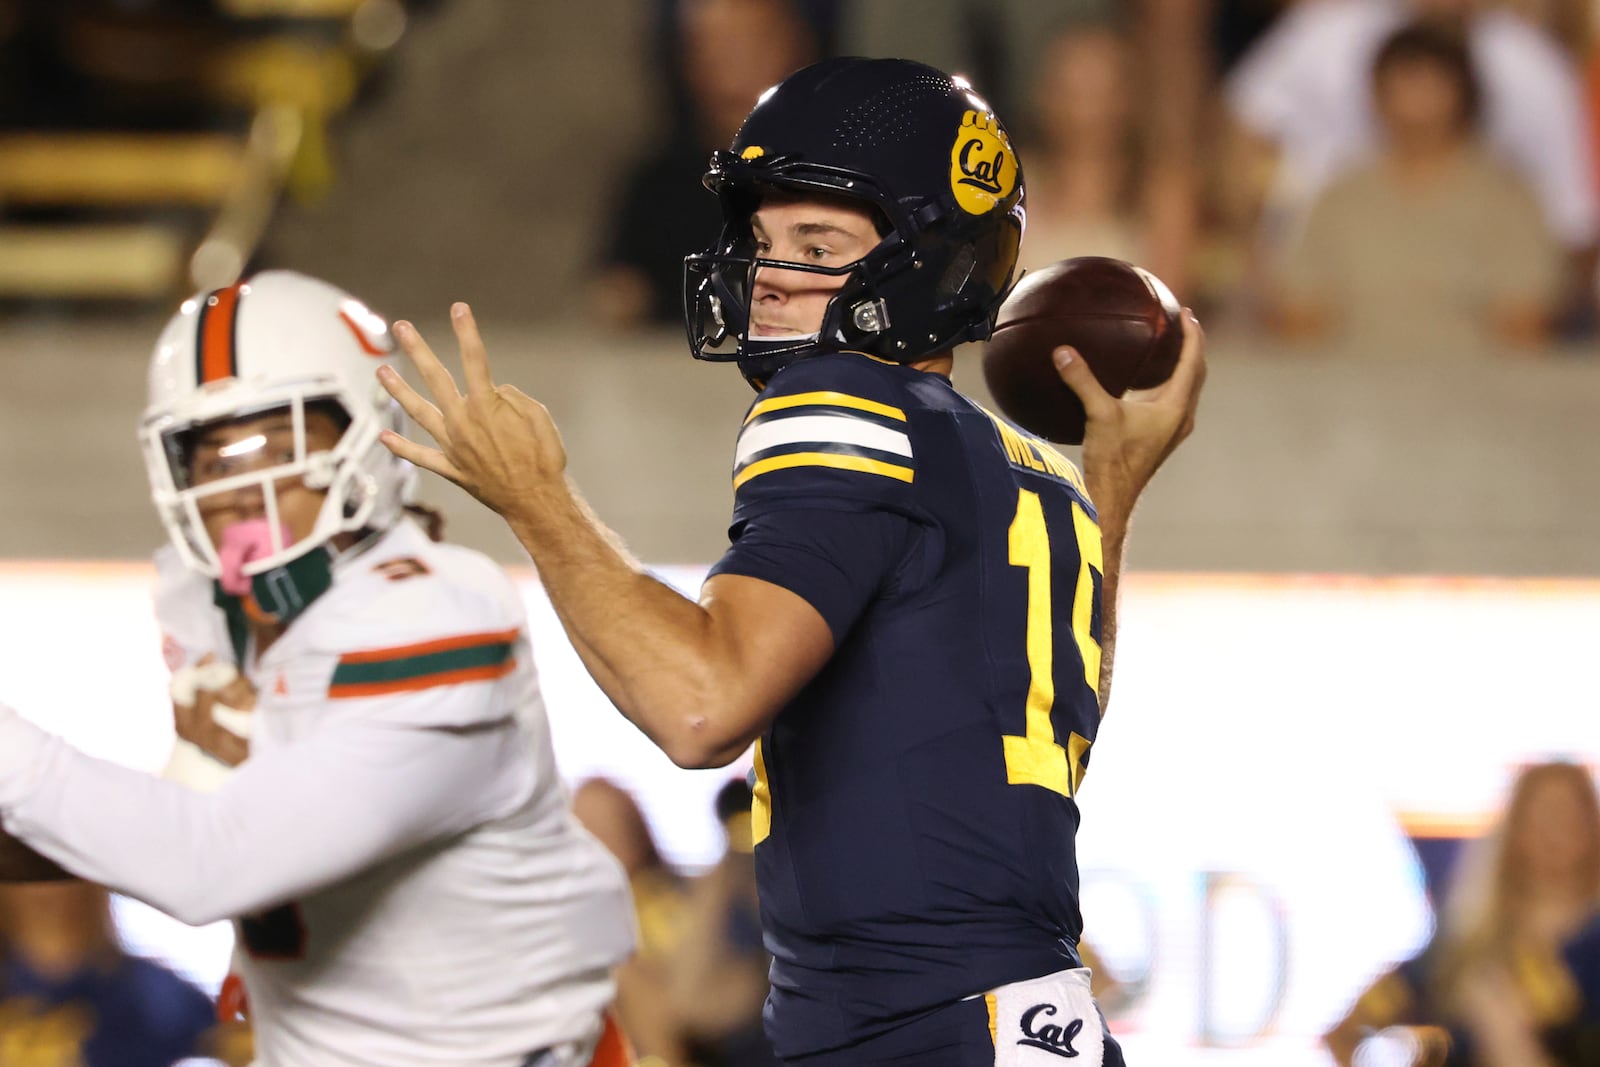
(216, 330)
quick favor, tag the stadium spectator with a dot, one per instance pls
(731, 50)
(1578, 1039)
(70, 993)
(644, 1005)
(1568, 21)
(1508, 969)
(720, 970)
(1093, 187)
(1303, 108)
(1084, 163)
(1034, 57)
(1434, 249)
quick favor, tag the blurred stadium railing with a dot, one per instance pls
(144, 152)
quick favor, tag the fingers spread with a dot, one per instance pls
(433, 373)
(414, 404)
(430, 459)
(523, 403)
(474, 357)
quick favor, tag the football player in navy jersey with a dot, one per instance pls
(914, 619)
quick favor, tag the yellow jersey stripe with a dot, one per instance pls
(822, 459)
(760, 800)
(831, 399)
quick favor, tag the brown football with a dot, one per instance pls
(1122, 319)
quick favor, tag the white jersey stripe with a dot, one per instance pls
(820, 429)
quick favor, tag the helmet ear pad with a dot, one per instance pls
(966, 273)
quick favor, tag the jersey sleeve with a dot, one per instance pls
(824, 486)
(829, 432)
(836, 561)
(292, 820)
(440, 642)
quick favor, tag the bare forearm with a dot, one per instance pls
(702, 680)
(1126, 442)
(1113, 535)
(648, 647)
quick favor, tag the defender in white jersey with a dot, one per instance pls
(406, 879)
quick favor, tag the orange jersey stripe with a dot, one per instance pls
(423, 648)
(486, 673)
(216, 335)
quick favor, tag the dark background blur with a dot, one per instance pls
(540, 159)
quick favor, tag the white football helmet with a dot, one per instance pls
(278, 340)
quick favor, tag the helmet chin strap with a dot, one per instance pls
(277, 596)
(762, 357)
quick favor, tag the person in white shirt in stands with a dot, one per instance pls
(1302, 95)
(398, 853)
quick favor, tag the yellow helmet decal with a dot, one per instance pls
(754, 151)
(983, 168)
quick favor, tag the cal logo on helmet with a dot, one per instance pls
(983, 169)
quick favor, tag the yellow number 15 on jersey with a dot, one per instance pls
(1035, 758)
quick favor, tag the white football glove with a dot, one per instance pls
(190, 765)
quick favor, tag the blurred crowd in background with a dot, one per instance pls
(692, 994)
(1395, 176)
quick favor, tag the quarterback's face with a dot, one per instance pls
(823, 232)
(242, 446)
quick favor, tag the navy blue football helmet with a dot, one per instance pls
(916, 145)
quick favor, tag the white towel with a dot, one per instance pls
(1049, 1020)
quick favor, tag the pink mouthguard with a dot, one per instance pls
(242, 543)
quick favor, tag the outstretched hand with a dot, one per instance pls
(496, 442)
(1126, 440)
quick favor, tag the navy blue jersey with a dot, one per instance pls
(914, 808)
